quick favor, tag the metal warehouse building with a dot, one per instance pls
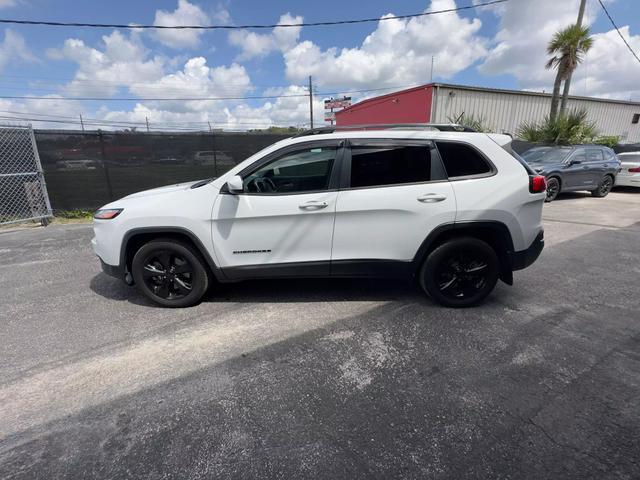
(502, 110)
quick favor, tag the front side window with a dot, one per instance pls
(373, 166)
(461, 160)
(579, 155)
(304, 170)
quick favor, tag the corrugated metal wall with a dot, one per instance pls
(505, 111)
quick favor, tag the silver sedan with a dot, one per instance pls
(629, 176)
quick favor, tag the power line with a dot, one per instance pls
(189, 99)
(618, 30)
(153, 125)
(138, 99)
(236, 27)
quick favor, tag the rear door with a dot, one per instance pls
(393, 193)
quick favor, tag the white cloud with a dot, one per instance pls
(526, 27)
(123, 62)
(9, 3)
(520, 44)
(255, 44)
(398, 52)
(185, 14)
(196, 79)
(609, 69)
(283, 111)
(13, 47)
(39, 108)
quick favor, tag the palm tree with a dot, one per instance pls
(568, 47)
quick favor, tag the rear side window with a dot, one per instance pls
(373, 166)
(609, 154)
(461, 160)
(594, 155)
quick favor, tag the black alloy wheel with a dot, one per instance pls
(460, 272)
(604, 188)
(170, 273)
(553, 189)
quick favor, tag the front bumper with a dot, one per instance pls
(524, 258)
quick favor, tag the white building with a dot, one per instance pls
(502, 110)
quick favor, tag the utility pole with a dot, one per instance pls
(147, 120)
(431, 78)
(311, 101)
(81, 123)
(567, 82)
(210, 129)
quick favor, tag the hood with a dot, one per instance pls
(162, 190)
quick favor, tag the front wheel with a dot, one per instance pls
(170, 273)
(460, 272)
(606, 184)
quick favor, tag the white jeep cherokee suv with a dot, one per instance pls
(457, 210)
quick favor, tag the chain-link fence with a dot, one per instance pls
(86, 170)
(23, 193)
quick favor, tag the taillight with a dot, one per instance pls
(634, 170)
(537, 184)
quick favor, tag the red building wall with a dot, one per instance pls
(406, 106)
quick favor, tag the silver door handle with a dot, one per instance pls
(313, 205)
(431, 198)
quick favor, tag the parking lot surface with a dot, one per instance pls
(327, 379)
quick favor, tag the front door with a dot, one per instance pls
(595, 167)
(282, 223)
(576, 175)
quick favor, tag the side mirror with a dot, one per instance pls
(575, 162)
(235, 184)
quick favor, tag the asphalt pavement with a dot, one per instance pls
(326, 378)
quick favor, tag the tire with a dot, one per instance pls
(553, 189)
(181, 278)
(445, 274)
(605, 186)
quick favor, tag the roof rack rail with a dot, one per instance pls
(442, 127)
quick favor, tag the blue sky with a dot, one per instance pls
(499, 46)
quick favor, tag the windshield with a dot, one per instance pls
(547, 155)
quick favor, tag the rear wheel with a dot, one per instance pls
(460, 272)
(170, 273)
(606, 184)
(553, 189)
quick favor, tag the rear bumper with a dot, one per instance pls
(115, 271)
(524, 258)
(628, 181)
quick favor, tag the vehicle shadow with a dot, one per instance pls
(277, 291)
(625, 189)
(571, 196)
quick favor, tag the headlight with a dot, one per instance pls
(107, 213)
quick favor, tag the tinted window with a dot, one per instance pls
(299, 171)
(579, 155)
(594, 155)
(461, 160)
(609, 154)
(534, 154)
(550, 155)
(373, 166)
